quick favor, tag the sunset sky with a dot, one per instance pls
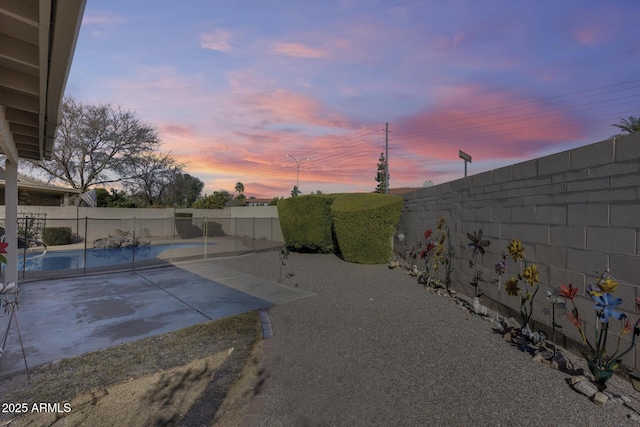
(234, 86)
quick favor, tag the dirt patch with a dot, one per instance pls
(203, 375)
(234, 407)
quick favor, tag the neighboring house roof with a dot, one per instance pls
(28, 183)
(37, 42)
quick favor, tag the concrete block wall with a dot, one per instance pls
(577, 213)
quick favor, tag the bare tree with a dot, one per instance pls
(94, 144)
(150, 175)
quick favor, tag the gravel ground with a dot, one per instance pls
(375, 348)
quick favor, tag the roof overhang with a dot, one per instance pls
(37, 42)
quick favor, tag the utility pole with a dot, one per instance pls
(297, 171)
(386, 157)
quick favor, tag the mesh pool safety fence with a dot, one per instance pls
(58, 247)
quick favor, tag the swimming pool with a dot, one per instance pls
(72, 259)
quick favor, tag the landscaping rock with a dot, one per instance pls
(599, 398)
(520, 340)
(559, 362)
(586, 388)
(546, 354)
(108, 242)
(121, 239)
(479, 308)
(512, 323)
(126, 242)
(577, 378)
(617, 398)
(539, 357)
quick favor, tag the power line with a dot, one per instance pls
(336, 158)
(468, 117)
(469, 133)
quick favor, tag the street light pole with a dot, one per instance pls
(297, 170)
(467, 158)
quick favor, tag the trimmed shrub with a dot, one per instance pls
(306, 222)
(364, 225)
(54, 236)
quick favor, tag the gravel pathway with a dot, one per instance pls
(375, 348)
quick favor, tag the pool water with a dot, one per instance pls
(62, 260)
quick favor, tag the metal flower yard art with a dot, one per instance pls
(426, 250)
(478, 245)
(601, 363)
(528, 275)
(3, 251)
(500, 269)
(603, 353)
(435, 249)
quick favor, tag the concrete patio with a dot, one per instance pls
(61, 318)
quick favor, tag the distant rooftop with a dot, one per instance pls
(27, 182)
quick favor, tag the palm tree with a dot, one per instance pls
(630, 125)
(240, 190)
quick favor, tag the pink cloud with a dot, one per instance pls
(176, 130)
(150, 82)
(588, 31)
(586, 36)
(298, 50)
(282, 107)
(253, 125)
(100, 18)
(475, 120)
(259, 156)
(442, 42)
(216, 40)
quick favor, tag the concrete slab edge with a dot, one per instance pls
(257, 401)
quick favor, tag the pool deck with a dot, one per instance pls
(60, 318)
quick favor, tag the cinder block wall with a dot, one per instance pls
(577, 213)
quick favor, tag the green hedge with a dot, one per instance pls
(306, 222)
(54, 236)
(364, 225)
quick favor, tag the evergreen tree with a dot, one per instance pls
(275, 200)
(381, 177)
(218, 200)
